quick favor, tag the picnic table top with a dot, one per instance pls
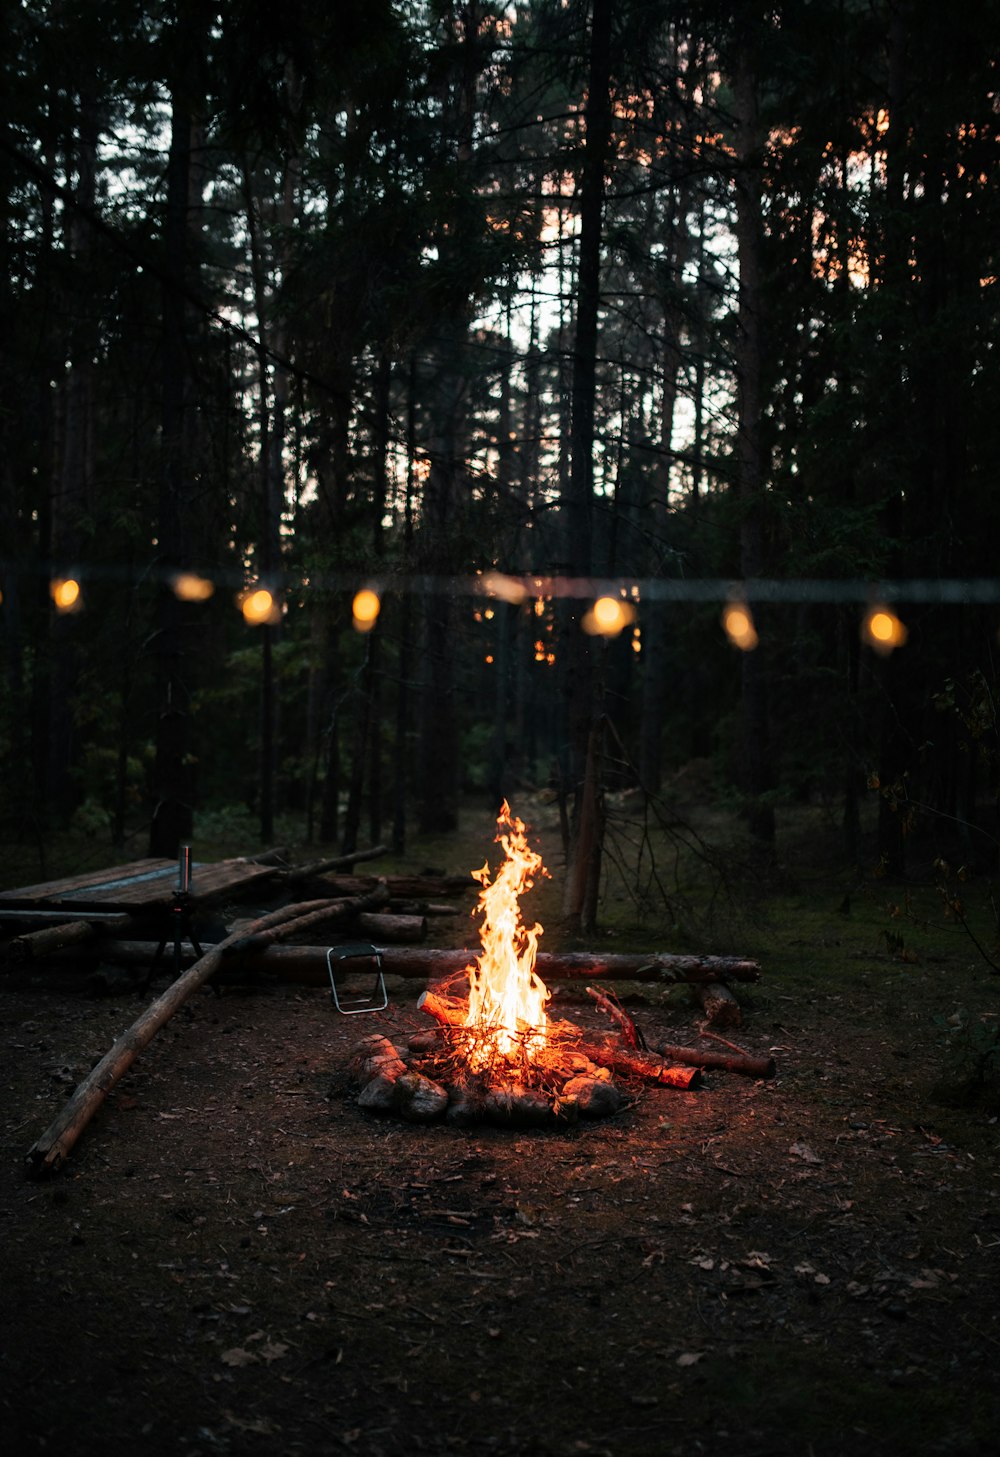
(139, 886)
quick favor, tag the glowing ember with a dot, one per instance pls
(506, 1011)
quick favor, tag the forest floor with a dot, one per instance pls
(237, 1259)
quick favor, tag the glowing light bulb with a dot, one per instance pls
(737, 623)
(509, 589)
(65, 594)
(189, 587)
(259, 607)
(607, 617)
(883, 630)
(365, 608)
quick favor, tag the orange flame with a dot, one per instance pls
(506, 999)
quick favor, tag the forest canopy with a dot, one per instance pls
(495, 310)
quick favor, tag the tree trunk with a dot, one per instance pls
(755, 755)
(173, 783)
(581, 686)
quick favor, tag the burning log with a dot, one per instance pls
(446, 1011)
(630, 1062)
(55, 1143)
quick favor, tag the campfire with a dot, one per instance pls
(506, 1025)
(494, 1052)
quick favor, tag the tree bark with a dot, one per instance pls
(755, 758)
(582, 689)
(308, 964)
(173, 778)
(730, 1062)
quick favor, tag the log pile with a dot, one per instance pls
(429, 1077)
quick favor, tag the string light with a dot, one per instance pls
(365, 609)
(66, 595)
(189, 587)
(737, 623)
(608, 617)
(259, 607)
(508, 589)
(883, 630)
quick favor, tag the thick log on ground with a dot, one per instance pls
(576, 965)
(720, 1006)
(401, 887)
(307, 964)
(33, 945)
(422, 908)
(387, 926)
(55, 1143)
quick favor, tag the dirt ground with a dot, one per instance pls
(236, 1259)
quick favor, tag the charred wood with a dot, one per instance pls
(446, 1011)
(631, 1062)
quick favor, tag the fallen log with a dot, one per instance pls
(719, 1005)
(49, 1152)
(388, 926)
(576, 965)
(307, 964)
(421, 908)
(296, 873)
(277, 855)
(311, 913)
(34, 945)
(734, 1062)
(401, 887)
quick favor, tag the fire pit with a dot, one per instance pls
(495, 1053)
